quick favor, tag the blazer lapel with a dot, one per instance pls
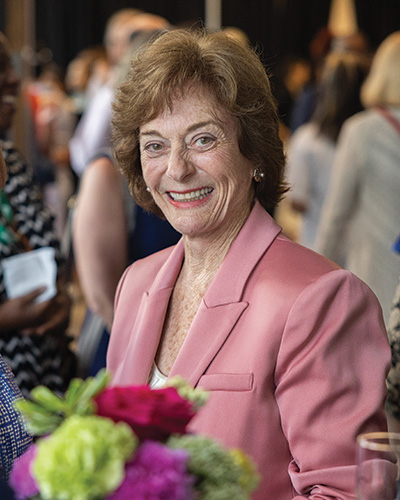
(206, 336)
(222, 304)
(142, 349)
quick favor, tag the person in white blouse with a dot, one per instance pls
(312, 148)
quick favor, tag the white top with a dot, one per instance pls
(310, 160)
(364, 195)
(93, 131)
(156, 379)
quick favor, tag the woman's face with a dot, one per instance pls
(193, 166)
(9, 85)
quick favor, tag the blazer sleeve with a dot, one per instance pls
(330, 382)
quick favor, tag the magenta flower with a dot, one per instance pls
(21, 478)
(156, 473)
(152, 414)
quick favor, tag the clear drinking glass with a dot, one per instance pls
(378, 456)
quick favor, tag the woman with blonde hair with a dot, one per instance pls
(361, 213)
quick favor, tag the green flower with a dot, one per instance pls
(249, 478)
(83, 459)
(221, 474)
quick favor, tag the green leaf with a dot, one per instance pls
(89, 389)
(47, 399)
(73, 392)
(46, 411)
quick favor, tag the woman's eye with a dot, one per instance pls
(153, 147)
(204, 141)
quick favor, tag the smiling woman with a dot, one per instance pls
(194, 169)
(270, 328)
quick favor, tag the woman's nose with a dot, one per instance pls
(179, 165)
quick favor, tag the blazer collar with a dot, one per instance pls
(222, 304)
(257, 234)
(253, 240)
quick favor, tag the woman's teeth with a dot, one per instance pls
(192, 195)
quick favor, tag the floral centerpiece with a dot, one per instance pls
(124, 443)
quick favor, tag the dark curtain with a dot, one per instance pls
(68, 26)
(2, 15)
(277, 27)
(378, 19)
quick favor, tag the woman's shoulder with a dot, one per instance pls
(299, 270)
(296, 256)
(307, 132)
(368, 120)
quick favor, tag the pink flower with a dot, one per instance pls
(152, 414)
(156, 473)
(21, 478)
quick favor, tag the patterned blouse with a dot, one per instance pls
(14, 440)
(26, 221)
(393, 380)
(32, 219)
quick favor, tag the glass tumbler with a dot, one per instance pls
(378, 455)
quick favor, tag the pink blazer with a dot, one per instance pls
(292, 348)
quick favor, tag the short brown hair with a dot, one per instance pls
(232, 73)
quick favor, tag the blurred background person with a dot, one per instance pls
(14, 439)
(93, 130)
(53, 120)
(311, 149)
(324, 42)
(361, 212)
(110, 231)
(393, 379)
(84, 73)
(304, 103)
(288, 80)
(33, 339)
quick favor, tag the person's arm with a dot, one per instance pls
(330, 382)
(100, 236)
(25, 314)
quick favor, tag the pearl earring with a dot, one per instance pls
(258, 175)
(148, 189)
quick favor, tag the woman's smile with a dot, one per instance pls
(190, 196)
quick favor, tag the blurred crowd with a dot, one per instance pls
(340, 124)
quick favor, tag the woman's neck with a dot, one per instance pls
(204, 255)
